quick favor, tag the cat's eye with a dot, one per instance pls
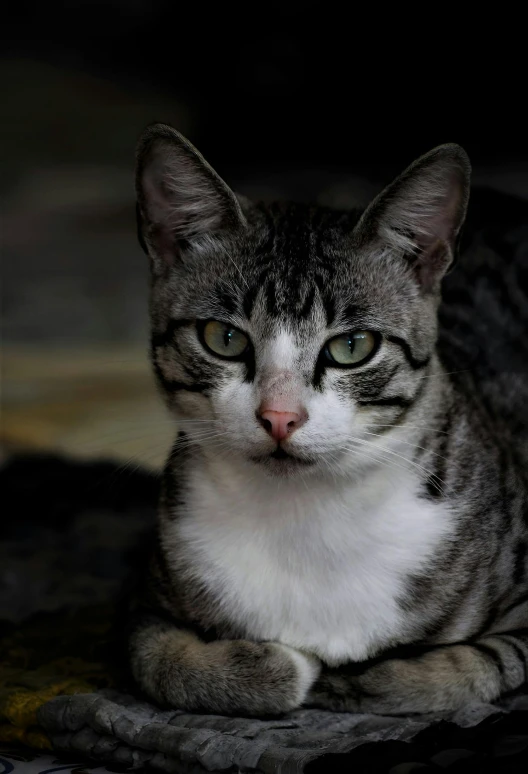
(351, 349)
(224, 340)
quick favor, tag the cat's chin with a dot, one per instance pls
(281, 463)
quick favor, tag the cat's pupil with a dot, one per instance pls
(228, 335)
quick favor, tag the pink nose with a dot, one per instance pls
(279, 424)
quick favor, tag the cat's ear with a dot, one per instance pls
(180, 198)
(419, 216)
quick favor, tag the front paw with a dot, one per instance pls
(266, 678)
(306, 670)
(226, 677)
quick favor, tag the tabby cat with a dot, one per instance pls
(344, 515)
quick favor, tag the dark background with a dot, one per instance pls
(318, 102)
(298, 83)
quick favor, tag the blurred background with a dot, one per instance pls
(285, 101)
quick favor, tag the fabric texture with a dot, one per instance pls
(113, 726)
(63, 688)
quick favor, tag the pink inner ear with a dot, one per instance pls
(156, 193)
(432, 263)
(157, 207)
(422, 218)
(165, 210)
(439, 220)
(436, 234)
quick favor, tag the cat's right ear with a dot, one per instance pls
(418, 217)
(180, 198)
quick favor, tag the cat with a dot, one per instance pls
(344, 519)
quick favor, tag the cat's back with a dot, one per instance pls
(484, 314)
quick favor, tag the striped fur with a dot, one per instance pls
(381, 563)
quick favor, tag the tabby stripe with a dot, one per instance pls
(519, 570)
(413, 362)
(510, 640)
(251, 295)
(226, 299)
(491, 615)
(250, 368)
(350, 315)
(397, 400)
(190, 372)
(327, 300)
(308, 303)
(318, 372)
(162, 339)
(378, 385)
(271, 298)
(417, 395)
(491, 655)
(172, 385)
(249, 301)
(267, 246)
(421, 587)
(439, 463)
(521, 601)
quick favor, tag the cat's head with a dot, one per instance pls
(286, 336)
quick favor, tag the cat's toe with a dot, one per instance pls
(306, 671)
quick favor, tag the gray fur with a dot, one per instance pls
(466, 612)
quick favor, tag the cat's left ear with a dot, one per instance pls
(419, 216)
(180, 198)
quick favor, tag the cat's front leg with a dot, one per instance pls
(441, 679)
(234, 677)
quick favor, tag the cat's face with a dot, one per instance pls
(286, 337)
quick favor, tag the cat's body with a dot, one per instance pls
(390, 512)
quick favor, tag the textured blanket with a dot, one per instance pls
(62, 686)
(113, 726)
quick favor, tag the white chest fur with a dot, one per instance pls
(315, 566)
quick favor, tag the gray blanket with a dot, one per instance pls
(119, 728)
(63, 558)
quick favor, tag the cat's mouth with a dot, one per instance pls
(279, 458)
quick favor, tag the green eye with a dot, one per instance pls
(224, 340)
(351, 349)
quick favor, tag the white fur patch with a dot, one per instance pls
(314, 564)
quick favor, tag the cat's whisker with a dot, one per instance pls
(444, 373)
(197, 439)
(432, 476)
(409, 427)
(132, 464)
(430, 473)
(381, 458)
(333, 466)
(238, 269)
(203, 435)
(194, 421)
(361, 454)
(410, 443)
(191, 432)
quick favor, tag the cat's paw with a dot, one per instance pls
(227, 677)
(307, 669)
(264, 678)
